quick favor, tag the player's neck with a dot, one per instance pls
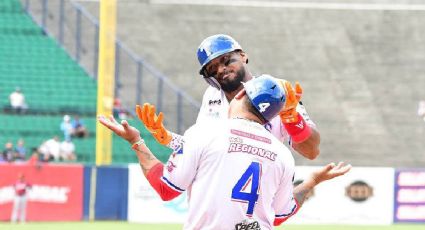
(241, 114)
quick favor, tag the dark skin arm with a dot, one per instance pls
(310, 147)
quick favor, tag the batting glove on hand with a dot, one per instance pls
(289, 114)
(153, 123)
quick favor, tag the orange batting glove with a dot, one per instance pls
(153, 123)
(289, 114)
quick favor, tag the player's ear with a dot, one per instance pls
(244, 56)
(240, 94)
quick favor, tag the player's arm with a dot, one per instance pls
(300, 192)
(305, 138)
(152, 168)
(309, 148)
(325, 173)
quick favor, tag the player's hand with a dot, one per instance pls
(124, 130)
(153, 123)
(289, 113)
(330, 171)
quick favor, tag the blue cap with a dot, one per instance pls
(214, 46)
(266, 95)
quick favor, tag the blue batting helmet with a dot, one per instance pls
(266, 95)
(214, 46)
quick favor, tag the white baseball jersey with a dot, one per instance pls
(235, 172)
(215, 105)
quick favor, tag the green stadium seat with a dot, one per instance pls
(53, 84)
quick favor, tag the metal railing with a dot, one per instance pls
(136, 81)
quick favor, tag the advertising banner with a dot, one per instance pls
(409, 199)
(362, 196)
(145, 205)
(56, 192)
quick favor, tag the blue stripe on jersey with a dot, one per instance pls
(172, 185)
(290, 213)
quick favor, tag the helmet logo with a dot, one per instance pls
(263, 106)
(206, 48)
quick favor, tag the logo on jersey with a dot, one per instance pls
(214, 102)
(248, 225)
(251, 136)
(235, 140)
(244, 148)
(177, 147)
(170, 166)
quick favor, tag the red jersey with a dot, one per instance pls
(21, 188)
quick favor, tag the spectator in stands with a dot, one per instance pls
(67, 150)
(35, 156)
(118, 110)
(20, 202)
(421, 109)
(66, 127)
(20, 150)
(50, 149)
(78, 128)
(36, 159)
(17, 101)
(8, 153)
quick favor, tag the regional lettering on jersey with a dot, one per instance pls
(245, 148)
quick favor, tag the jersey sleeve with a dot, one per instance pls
(181, 168)
(284, 203)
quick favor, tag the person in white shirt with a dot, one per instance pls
(50, 149)
(67, 150)
(17, 101)
(224, 65)
(237, 174)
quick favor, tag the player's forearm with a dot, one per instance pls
(310, 147)
(146, 159)
(153, 170)
(301, 190)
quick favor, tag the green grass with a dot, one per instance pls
(115, 225)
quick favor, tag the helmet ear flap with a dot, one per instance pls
(203, 72)
(213, 82)
(210, 80)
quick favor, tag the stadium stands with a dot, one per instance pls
(53, 85)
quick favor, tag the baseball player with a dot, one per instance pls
(237, 174)
(20, 202)
(224, 66)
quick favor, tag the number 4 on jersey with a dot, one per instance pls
(251, 176)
